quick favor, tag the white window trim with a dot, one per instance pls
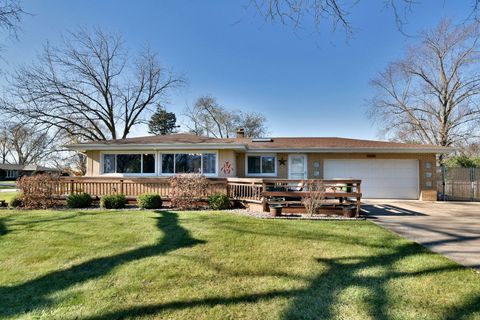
(260, 174)
(202, 152)
(153, 174)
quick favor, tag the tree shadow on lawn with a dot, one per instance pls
(321, 297)
(34, 294)
(3, 228)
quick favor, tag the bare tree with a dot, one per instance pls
(11, 14)
(337, 13)
(209, 118)
(432, 95)
(27, 145)
(4, 144)
(89, 87)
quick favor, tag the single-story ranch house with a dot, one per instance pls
(387, 169)
(14, 171)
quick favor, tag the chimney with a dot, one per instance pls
(240, 133)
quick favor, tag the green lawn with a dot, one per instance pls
(206, 265)
(6, 196)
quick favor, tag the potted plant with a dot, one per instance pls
(275, 210)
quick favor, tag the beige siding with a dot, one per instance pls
(93, 163)
(227, 163)
(241, 165)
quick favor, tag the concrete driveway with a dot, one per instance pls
(448, 228)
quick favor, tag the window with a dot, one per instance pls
(188, 163)
(148, 163)
(109, 163)
(261, 165)
(205, 163)
(167, 163)
(129, 163)
(209, 163)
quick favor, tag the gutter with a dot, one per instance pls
(355, 150)
(155, 147)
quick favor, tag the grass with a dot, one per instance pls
(206, 265)
(7, 196)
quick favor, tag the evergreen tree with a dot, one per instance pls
(162, 122)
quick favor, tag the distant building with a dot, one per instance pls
(13, 171)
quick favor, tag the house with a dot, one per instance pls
(13, 171)
(387, 169)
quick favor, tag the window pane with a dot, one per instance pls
(148, 163)
(108, 163)
(268, 164)
(209, 163)
(253, 164)
(129, 163)
(167, 163)
(188, 163)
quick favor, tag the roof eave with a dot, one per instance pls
(163, 146)
(436, 150)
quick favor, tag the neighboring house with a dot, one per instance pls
(13, 171)
(387, 169)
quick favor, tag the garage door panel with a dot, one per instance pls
(395, 179)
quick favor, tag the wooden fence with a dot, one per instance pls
(458, 184)
(130, 187)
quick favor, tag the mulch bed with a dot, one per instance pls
(291, 216)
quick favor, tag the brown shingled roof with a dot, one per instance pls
(327, 142)
(166, 139)
(275, 143)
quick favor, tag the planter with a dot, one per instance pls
(348, 212)
(276, 210)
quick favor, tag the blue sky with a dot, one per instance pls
(306, 84)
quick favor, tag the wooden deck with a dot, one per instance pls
(333, 192)
(288, 193)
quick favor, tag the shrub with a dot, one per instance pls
(219, 201)
(15, 201)
(187, 189)
(116, 201)
(79, 200)
(149, 201)
(315, 197)
(39, 191)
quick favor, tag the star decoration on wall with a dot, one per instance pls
(282, 161)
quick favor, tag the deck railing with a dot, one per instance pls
(130, 187)
(255, 189)
(245, 189)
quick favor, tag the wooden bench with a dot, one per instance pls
(344, 198)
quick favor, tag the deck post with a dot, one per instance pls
(357, 213)
(72, 186)
(121, 186)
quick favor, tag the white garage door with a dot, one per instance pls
(384, 179)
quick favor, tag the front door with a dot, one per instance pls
(297, 166)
